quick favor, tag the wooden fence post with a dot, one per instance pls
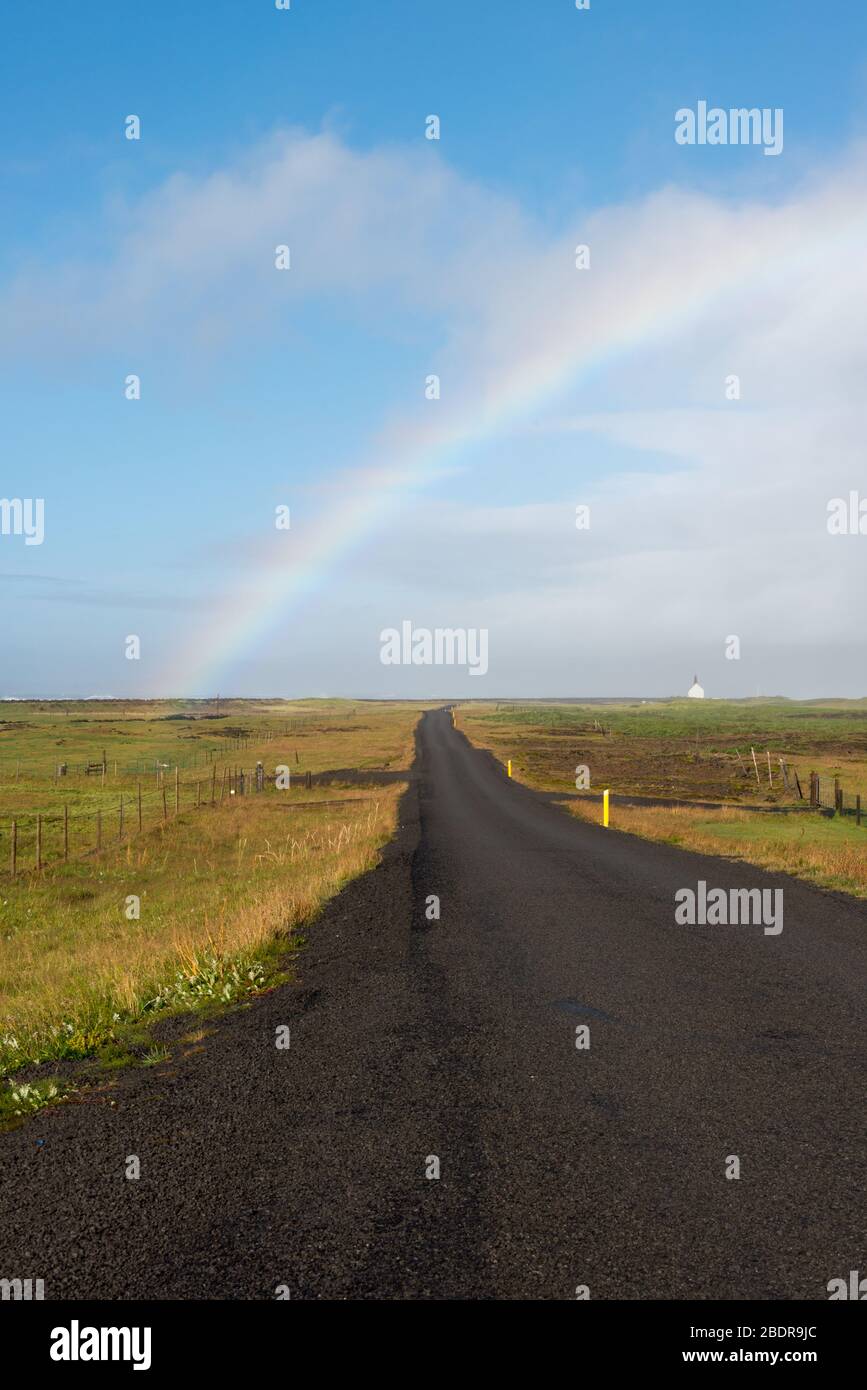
(756, 766)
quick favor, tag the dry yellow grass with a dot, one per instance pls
(314, 736)
(217, 890)
(690, 749)
(831, 852)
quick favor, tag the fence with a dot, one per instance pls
(826, 793)
(821, 793)
(105, 767)
(36, 840)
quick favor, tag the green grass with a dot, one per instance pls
(220, 893)
(19, 1100)
(678, 748)
(315, 736)
(738, 720)
(829, 852)
(834, 832)
(223, 892)
(35, 736)
(685, 750)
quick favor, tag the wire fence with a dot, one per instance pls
(826, 793)
(32, 841)
(104, 767)
(821, 793)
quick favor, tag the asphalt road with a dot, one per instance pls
(456, 1038)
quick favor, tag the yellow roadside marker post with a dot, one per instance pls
(509, 767)
(605, 807)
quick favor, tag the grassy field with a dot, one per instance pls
(135, 734)
(197, 911)
(829, 851)
(678, 748)
(142, 743)
(688, 750)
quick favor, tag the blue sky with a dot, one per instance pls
(410, 257)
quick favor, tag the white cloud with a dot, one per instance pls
(199, 252)
(683, 290)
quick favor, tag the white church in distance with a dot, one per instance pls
(695, 692)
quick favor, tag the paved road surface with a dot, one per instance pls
(456, 1038)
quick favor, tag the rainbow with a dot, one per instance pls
(295, 562)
